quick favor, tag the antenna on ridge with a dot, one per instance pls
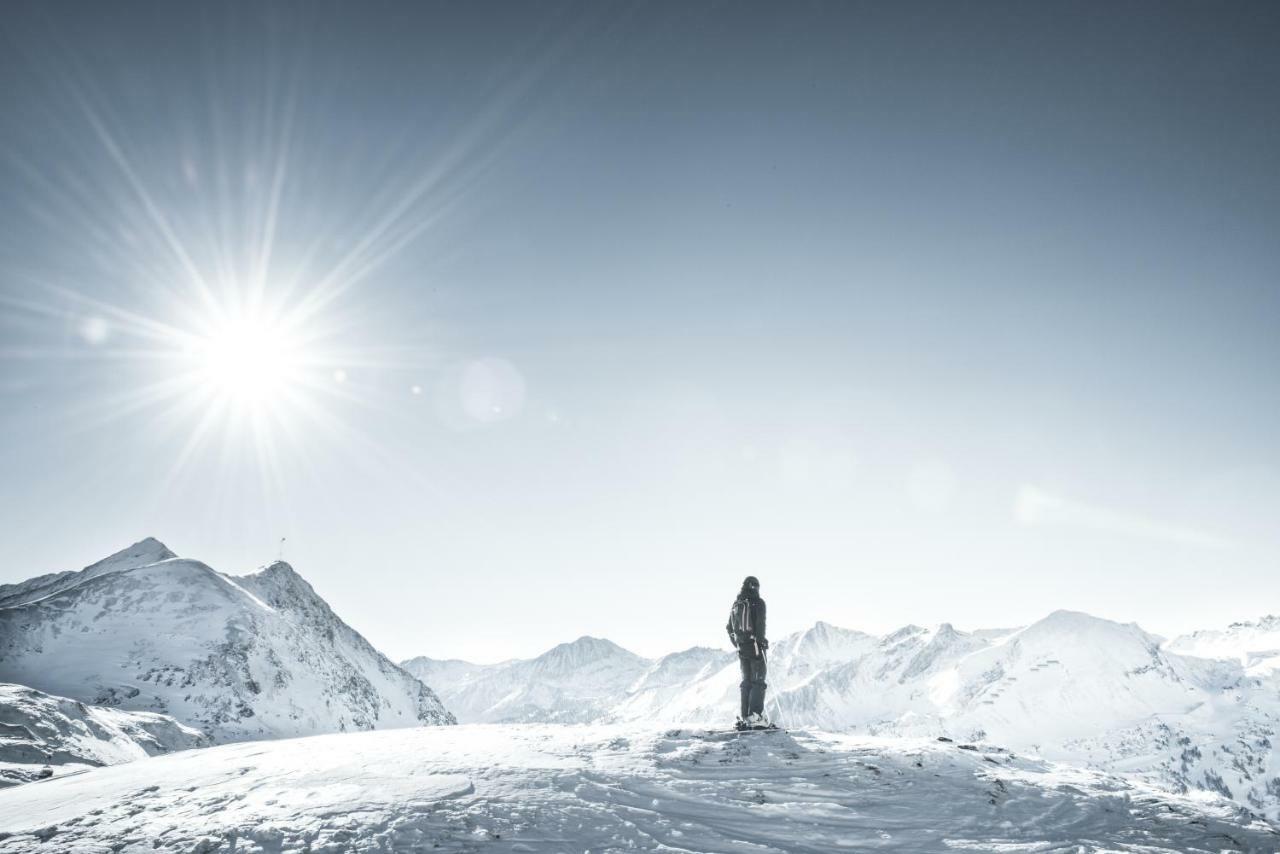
(280, 555)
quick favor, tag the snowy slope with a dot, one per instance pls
(239, 658)
(42, 735)
(609, 789)
(667, 680)
(1067, 676)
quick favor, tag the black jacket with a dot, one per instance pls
(753, 618)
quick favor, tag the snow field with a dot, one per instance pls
(550, 788)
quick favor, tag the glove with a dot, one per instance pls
(764, 644)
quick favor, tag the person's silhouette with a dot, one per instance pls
(746, 629)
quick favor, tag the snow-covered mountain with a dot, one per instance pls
(539, 788)
(1070, 686)
(256, 656)
(41, 735)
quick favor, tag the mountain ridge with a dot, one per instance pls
(146, 551)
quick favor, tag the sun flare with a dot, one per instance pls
(248, 358)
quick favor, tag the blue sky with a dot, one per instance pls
(526, 321)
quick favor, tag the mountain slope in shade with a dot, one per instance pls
(42, 735)
(258, 656)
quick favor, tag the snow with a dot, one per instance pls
(610, 788)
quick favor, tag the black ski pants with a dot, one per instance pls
(753, 684)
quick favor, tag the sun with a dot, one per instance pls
(248, 358)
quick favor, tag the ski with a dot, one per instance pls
(743, 731)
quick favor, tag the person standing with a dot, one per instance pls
(746, 629)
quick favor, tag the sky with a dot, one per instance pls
(510, 323)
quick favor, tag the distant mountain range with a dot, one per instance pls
(1197, 712)
(232, 658)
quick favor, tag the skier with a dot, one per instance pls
(746, 633)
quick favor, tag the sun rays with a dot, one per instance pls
(211, 290)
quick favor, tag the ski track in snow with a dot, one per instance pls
(550, 788)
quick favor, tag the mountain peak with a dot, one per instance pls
(1069, 614)
(594, 644)
(279, 567)
(142, 553)
(281, 586)
(1069, 628)
(825, 642)
(1072, 621)
(145, 551)
(903, 633)
(584, 650)
(278, 574)
(824, 632)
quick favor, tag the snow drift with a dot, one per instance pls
(539, 788)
